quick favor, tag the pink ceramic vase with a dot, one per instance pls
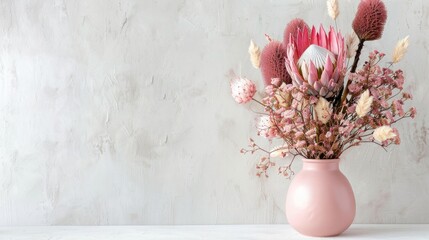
(320, 201)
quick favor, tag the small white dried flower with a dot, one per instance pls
(255, 54)
(400, 49)
(383, 133)
(323, 111)
(364, 104)
(351, 44)
(333, 10)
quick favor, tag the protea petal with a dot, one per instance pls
(323, 42)
(304, 71)
(336, 74)
(313, 91)
(329, 67)
(312, 75)
(287, 63)
(314, 37)
(304, 41)
(324, 78)
(296, 78)
(317, 86)
(333, 42)
(291, 54)
(293, 68)
(323, 91)
(332, 84)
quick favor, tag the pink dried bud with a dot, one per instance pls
(311, 133)
(313, 100)
(406, 95)
(351, 109)
(273, 63)
(276, 81)
(284, 171)
(389, 116)
(299, 135)
(396, 139)
(266, 127)
(270, 90)
(355, 88)
(242, 89)
(292, 28)
(413, 112)
(370, 19)
(300, 144)
(397, 107)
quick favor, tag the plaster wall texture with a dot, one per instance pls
(119, 112)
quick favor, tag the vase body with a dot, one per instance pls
(320, 200)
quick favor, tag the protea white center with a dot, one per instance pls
(316, 54)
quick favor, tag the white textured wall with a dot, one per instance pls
(118, 112)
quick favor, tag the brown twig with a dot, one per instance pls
(352, 70)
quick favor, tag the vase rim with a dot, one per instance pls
(320, 160)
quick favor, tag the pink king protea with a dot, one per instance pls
(316, 60)
(242, 89)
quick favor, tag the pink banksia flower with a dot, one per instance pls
(242, 89)
(316, 60)
(292, 28)
(272, 63)
(370, 19)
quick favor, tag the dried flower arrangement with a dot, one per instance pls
(308, 104)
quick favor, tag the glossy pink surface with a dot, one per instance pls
(320, 200)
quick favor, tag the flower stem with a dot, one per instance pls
(352, 70)
(258, 102)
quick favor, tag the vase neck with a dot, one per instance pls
(321, 164)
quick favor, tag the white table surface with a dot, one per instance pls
(206, 232)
